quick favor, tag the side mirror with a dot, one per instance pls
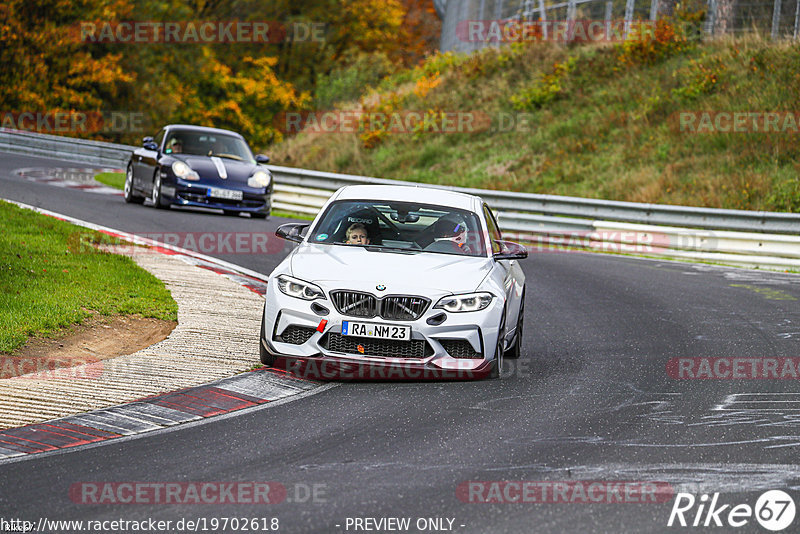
(292, 231)
(150, 145)
(261, 158)
(510, 251)
(146, 140)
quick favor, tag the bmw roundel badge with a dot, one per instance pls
(380, 287)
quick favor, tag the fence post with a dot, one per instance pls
(776, 18)
(711, 20)
(609, 7)
(628, 16)
(571, 10)
(543, 16)
(653, 10)
(797, 19)
(527, 10)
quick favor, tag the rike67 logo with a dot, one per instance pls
(774, 510)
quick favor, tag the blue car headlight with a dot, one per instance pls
(184, 172)
(465, 303)
(259, 179)
(294, 287)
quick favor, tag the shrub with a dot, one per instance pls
(549, 87)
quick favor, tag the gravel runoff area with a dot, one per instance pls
(216, 337)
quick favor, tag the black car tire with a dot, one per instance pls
(258, 215)
(157, 198)
(497, 364)
(516, 351)
(129, 195)
(266, 358)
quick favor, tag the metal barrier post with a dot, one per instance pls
(776, 18)
(543, 16)
(711, 19)
(796, 19)
(629, 4)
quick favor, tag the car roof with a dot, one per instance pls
(410, 193)
(204, 129)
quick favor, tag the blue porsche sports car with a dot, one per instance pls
(202, 167)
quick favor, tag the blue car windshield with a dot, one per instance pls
(400, 226)
(208, 144)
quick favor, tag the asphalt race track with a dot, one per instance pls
(591, 399)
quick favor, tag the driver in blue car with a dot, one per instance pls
(175, 146)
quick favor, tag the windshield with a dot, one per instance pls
(400, 226)
(208, 144)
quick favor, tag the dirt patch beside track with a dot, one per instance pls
(98, 338)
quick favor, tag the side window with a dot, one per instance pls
(494, 231)
(158, 138)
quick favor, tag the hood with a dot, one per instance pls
(237, 171)
(355, 267)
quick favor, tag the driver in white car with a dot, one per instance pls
(452, 236)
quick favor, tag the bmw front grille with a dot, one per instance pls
(392, 308)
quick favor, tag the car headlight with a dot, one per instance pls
(259, 179)
(465, 303)
(184, 172)
(298, 288)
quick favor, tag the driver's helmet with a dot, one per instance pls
(451, 228)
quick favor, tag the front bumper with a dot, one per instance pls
(193, 194)
(461, 347)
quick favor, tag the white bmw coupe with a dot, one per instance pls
(395, 282)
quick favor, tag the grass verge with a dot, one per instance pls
(49, 280)
(112, 179)
(597, 121)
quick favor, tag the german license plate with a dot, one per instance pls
(375, 330)
(229, 194)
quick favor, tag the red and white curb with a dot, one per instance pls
(70, 178)
(224, 396)
(164, 410)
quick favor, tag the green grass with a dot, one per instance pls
(49, 280)
(112, 179)
(604, 129)
(293, 215)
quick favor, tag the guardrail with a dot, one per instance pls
(738, 237)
